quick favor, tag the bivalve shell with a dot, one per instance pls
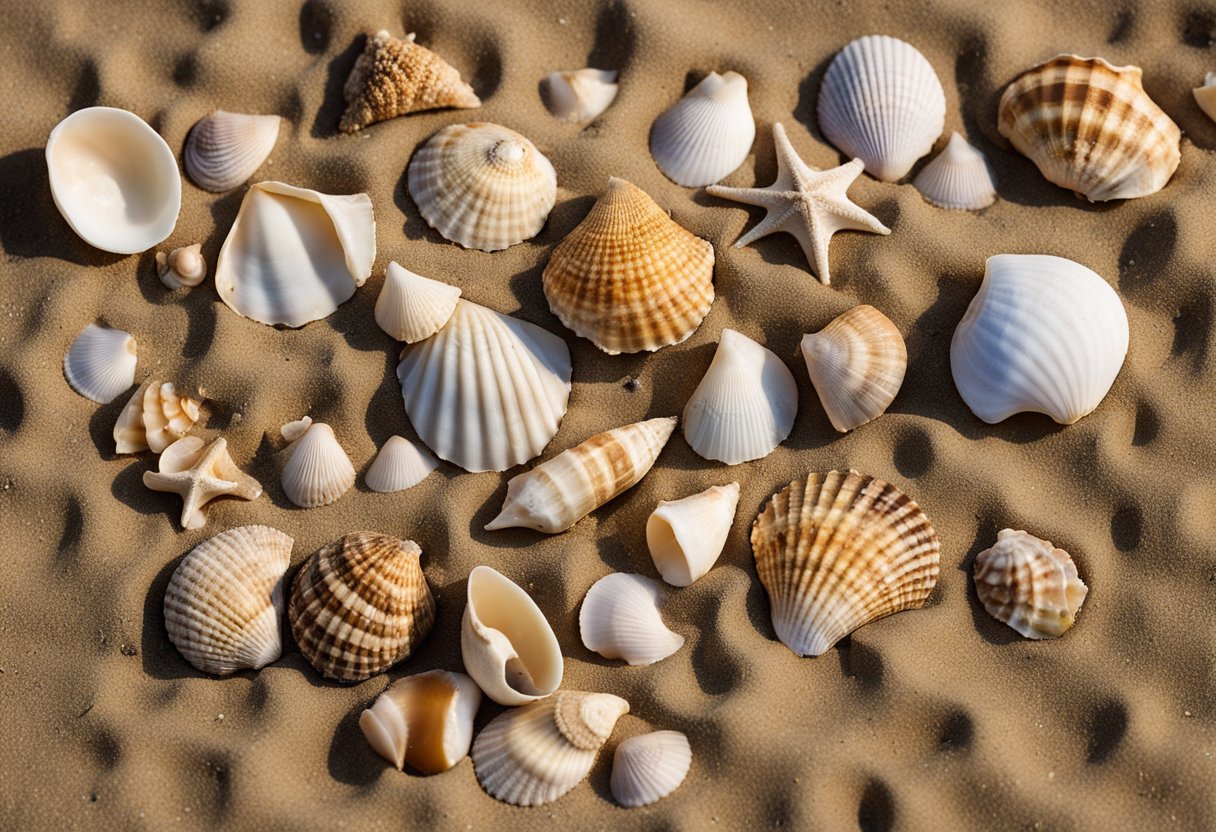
(857, 364)
(705, 135)
(957, 177)
(425, 720)
(317, 471)
(412, 307)
(647, 768)
(224, 149)
(685, 537)
(100, 364)
(579, 95)
(1205, 96)
(1029, 584)
(399, 465)
(620, 620)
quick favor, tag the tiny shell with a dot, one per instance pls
(647, 768)
(1029, 584)
(620, 619)
(957, 178)
(100, 364)
(579, 95)
(685, 537)
(1205, 96)
(412, 307)
(182, 268)
(200, 472)
(399, 465)
(857, 364)
(224, 149)
(317, 471)
(425, 720)
(707, 134)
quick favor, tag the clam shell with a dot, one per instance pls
(182, 268)
(425, 720)
(620, 620)
(957, 177)
(412, 307)
(224, 149)
(838, 551)
(167, 415)
(399, 465)
(1029, 584)
(1205, 96)
(579, 95)
(129, 436)
(648, 767)
(317, 471)
(100, 364)
(685, 537)
(857, 364)
(705, 135)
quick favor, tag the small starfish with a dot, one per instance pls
(811, 205)
(200, 475)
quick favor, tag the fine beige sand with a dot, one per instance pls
(934, 719)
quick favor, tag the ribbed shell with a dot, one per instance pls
(224, 149)
(579, 95)
(647, 768)
(881, 102)
(1090, 127)
(482, 186)
(317, 471)
(686, 537)
(705, 135)
(957, 178)
(857, 364)
(488, 391)
(412, 307)
(100, 364)
(425, 720)
(399, 465)
(1029, 584)
(224, 603)
(360, 605)
(167, 415)
(182, 268)
(838, 551)
(1043, 334)
(620, 619)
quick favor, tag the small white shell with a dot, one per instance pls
(1205, 96)
(317, 471)
(685, 537)
(707, 134)
(167, 415)
(100, 364)
(579, 95)
(412, 307)
(182, 268)
(224, 149)
(399, 465)
(620, 620)
(957, 178)
(647, 768)
(425, 720)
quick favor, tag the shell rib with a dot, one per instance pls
(579, 95)
(1205, 96)
(412, 307)
(857, 364)
(957, 178)
(685, 537)
(838, 551)
(224, 149)
(558, 493)
(100, 364)
(200, 472)
(1029, 584)
(167, 415)
(317, 471)
(399, 465)
(620, 620)
(647, 768)
(425, 720)
(705, 135)
(182, 268)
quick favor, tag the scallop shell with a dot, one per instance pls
(412, 307)
(957, 178)
(628, 277)
(558, 493)
(182, 268)
(100, 364)
(224, 149)
(1090, 127)
(224, 603)
(881, 102)
(1205, 96)
(533, 755)
(705, 135)
(579, 95)
(399, 465)
(167, 415)
(838, 551)
(857, 365)
(1043, 334)
(685, 537)
(1029, 584)
(620, 620)
(482, 186)
(294, 255)
(425, 720)
(317, 471)
(647, 768)
(360, 605)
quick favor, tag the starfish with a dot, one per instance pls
(200, 474)
(809, 204)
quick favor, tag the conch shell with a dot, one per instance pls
(425, 720)
(1029, 584)
(857, 364)
(685, 537)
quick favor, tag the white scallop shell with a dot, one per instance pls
(707, 134)
(224, 149)
(182, 268)
(647, 768)
(412, 307)
(620, 620)
(579, 95)
(317, 471)
(957, 178)
(166, 414)
(1205, 96)
(881, 102)
(1043, 334)
(425, 720)
(100, 364)
(399, 465)
(685, 537)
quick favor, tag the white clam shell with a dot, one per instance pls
(224, 149)
(1043, 334)
(100, 364)
(412, 307)
(957, 177)
(620, 620)
(1205, 96)
(881, 102)
(182, 268)
(399, 465)
(685, 537)
(707, 134)
(425, 720)
(317, 471)
(579, 95)
(648, 767)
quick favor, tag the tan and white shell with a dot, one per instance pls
(648, 767)
(182, 268)
(424, 720)
(317, 470)
(100, 363)
(1029, 584)
(620, 619)
(224, 149)
(579, 95)
(686, 537)
(857, 364)
(411, 307)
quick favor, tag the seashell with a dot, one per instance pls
(100, 364)
(182, 268)
(838, 551)
(113, 179)
(394, 77)
(620, 620)
(425, 720)
(957, 177)
(200, 472)
(579, 95)
(1205, 96)
(1043, 334)
(857, 365)
(400, 465)
(224, 603)
(166, 415)
(224, 149)
(744, 406)
(488, 391)
(685, 537)
(294, 255)
(558, 493)
(628, 277)
(482, 186)
(360, 605)
(705, 135)
(648, 767)
(317, 471)
(412, 307)
(1090, 127)
(881, 102)
(533, 755)
(1029, 584)
(507, 645)
(129, 436)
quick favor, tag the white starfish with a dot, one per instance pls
(199, 473)
(811, 205)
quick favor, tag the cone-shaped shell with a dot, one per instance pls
(317, 471)
(425, 720)
(685, 537)
(558, 493)
(649, 767)
(200, 472)
(1205, 96)
(1042, 335)
(360, 605)
(412, 307)
(857, 365)
(182, 268)
(1090, 127)
(224, 603)
(838, 551)
(482, 186)
(620, 619)
(488, 391)
(881, 102)
(100, 364)
(224, 149)
(705, 135)
(579, 95)
(628, 277)
(957, 177)
(399, 465)
(167, 415)
(533, 755)
(1029, 584)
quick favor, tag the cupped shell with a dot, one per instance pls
(620, 620)
(1205, 96)
(224, 149)
(399, 465)
(707, 134)
(648, 767)
(1027, 583)
(182, 268)
(317, 471)
(857, 364)
(100, 364)
(579, 95)
(425, 720)
(685, 537)
(412, 307)
(957, 177)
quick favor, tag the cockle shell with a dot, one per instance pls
(957, 177)
(507, 644)
(425, 720)
(1029, 584)
(705, 135)
(412, 307)
(579, 95)
(1043, 334)
(224, 149)
(558, 493)
(224, 603)
(744, 406)
(399, 465)
(482, 186)
(1090, 127)
(881, 102)
(648, 767)
(857, 364)
(488, 391)
(620, 619)
(167, 415)
(100, 364)
(200, 472)
(838, 551)
(685, 537)
(294, 255)
(360, 605)
(1205, 96)
(182, 268)
(317, 471)
(533, 755)
(628, 277)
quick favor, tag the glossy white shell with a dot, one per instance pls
(649, 767)
(620, 620)
(707, 134)
(1205, 96)
(685, 537)
(957, 178)
(399, 465)
(182, 268)
(425, 720)
(579, 95)
(100, 364)
(412, 307)
(224, 149)
(317, 471)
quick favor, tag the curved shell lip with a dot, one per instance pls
(683, 543)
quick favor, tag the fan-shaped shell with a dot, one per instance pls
(1043, 334)
(399, 465)
(1205, 96)
(100, 364)
(182, 268)
(579, 95)
(957, 178)
(317, 471)
(647, 768)
(620, 620)
(412, 307)
(224, 149)
(425, 720)
(857, 365)
(705, 135)
(685, 537)
(1029, 584)
(838, 551)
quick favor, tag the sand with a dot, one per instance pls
(940, 718)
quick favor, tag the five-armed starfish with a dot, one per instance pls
(200, 474)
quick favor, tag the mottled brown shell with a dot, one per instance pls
(1029, 584)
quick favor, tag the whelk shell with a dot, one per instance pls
(224, 149)
(647, 768)
(705, 135)
(1029, 584)
(620, 619)
(182, 268)
(1205, 96)
(200, 472)
(957, 177)
(412, 307)
(399, 465)
(425, 720)
(317, 471)
(579, 95)
(685, 537)
(100, 364)
(857, 364)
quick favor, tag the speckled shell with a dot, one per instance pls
(620, 619)
(648, 767)
(857, 364)
(957, 177)
(100, 364)
(412, 307)
(425, 720)
(705, 135)
(224, 149)
(1029, 584)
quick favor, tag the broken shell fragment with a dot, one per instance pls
(100, 364)
(1205, 96)
(424, 720)
(620, 619)
(647, 768)
(224, 149)
(182, 268)
(1029, 584)
(685, 537)
(579, 95)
